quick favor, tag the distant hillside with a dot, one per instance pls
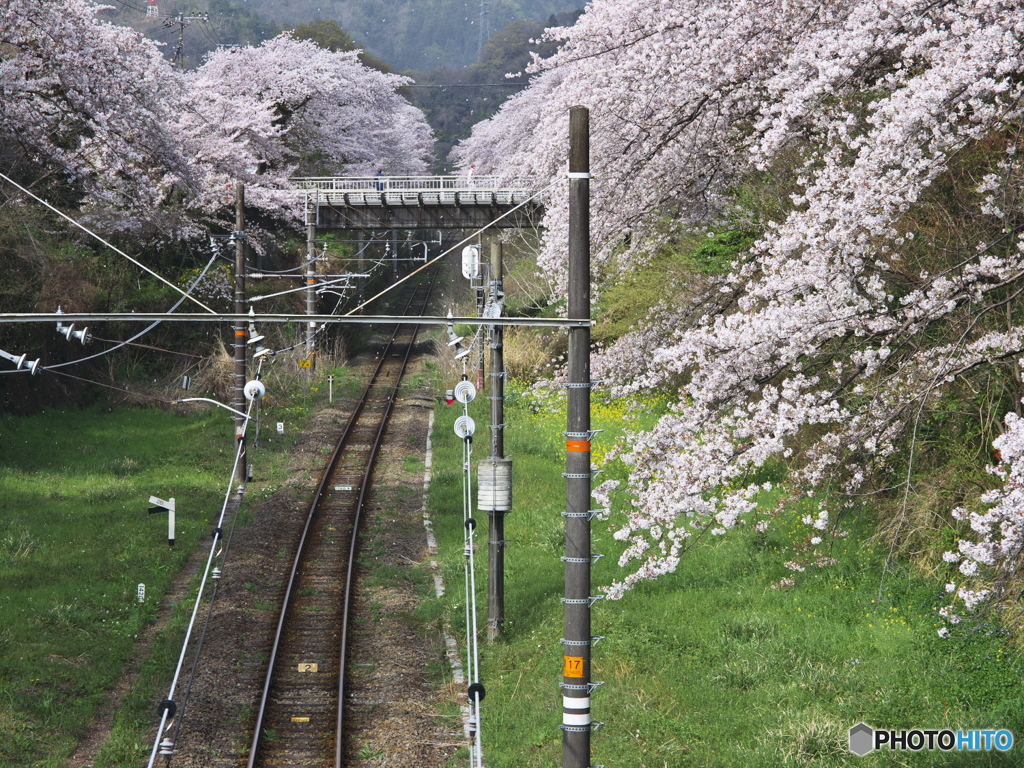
(415, 34)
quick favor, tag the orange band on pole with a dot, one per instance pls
(239, 333)
(577, 445)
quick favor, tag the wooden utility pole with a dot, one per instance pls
(238, 401)
(576, 687)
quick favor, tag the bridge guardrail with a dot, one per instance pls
(417, 190)
(415, 184)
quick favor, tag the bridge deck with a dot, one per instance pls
(420, 202)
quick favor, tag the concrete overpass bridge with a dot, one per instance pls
(421, 202)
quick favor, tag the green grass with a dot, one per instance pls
(710, 666)
(76, 541)
(347, 383)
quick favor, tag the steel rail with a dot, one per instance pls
(339, 731)
(322, 486)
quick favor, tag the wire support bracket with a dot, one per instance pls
(588, 601)
(589, 515)
(594, 557)
(588, 435)
(583, 384)
(588, 687)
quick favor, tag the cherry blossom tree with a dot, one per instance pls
(303, 109)
(991, 557)
(99, 103)
(887, 278)
(91, 99)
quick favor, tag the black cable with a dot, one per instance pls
(147, 346)
(132, 6)
(124, 391)
(223, 555)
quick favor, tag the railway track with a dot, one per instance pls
(300, 718)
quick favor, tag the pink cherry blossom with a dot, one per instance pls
(829, 340)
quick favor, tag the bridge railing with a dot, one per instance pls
(462, 183)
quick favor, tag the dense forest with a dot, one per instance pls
(454, 91)
(417, 34)
(421, 35)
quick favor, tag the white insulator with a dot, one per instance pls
(465, 426)
(494, 484)
(465, 392)
(255, 390)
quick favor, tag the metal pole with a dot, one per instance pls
(240, 346)
(310, 282)
(576, 688)
(362, 267)
(480, 301)
(394, 253)
(496, 538)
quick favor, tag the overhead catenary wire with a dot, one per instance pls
(146, 346)
(138, 335)
(133, 6)
(464, 240)
(342, 281)
(123, 391)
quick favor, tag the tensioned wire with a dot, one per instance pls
(187, 294)
(114, 248)
(223, 555)
(463, 241)
(469, 579)
(214, 552)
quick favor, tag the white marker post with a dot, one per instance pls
(169, 507)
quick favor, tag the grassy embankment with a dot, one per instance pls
(711, 666)
(75, 543)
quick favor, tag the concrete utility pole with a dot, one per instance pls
(495, 481)
(485, 26)
(576, 686)
(362, 267)
(310, 281)
(394, 253)
(238, 401)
